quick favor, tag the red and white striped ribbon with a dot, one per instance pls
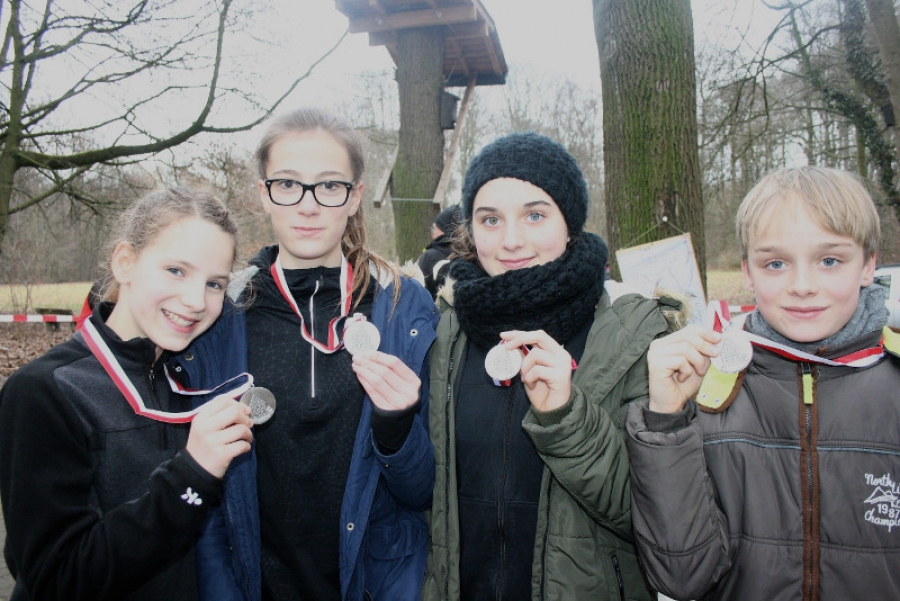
(112, 366)
(720, 316)
(346, 282)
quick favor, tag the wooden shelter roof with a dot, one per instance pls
(472, 47)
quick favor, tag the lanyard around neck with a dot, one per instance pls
(346, 284)
(721, 318)
(112, 366)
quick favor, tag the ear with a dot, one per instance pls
(355, 198)
(264, 197)
(122, 263)
(747, 278)
(868, 272)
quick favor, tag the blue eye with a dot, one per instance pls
(776, 264)
(830, 262)
(535, 217)
(175, 271)
(491, 220)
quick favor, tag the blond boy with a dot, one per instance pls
(780, 481)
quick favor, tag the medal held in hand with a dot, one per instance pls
(502, 363)
(361, 336)
(736, 352)
(261, 402)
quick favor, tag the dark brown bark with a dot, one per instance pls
(420, 152)
(652, 183)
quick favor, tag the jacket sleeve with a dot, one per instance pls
(586, 454)
(59, 544)
(409, 473)
(583, 442)
(681, 535)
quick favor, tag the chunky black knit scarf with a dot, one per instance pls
(558, 297)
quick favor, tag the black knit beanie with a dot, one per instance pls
(448, 219)
(535, 159)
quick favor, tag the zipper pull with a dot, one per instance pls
(807, 380)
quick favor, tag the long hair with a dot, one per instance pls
(354, 242)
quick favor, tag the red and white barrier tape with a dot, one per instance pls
(742, 308)
(74, 318)
(38, 318)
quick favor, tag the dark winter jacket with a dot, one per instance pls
(433, 260)
(791, 492)
(383, 538)
(583, 548)
(99, 502)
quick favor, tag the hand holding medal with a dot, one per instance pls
(546, 367)
(220, 431)
(677, 363)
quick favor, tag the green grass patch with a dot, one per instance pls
(723, 285)
(28, 299)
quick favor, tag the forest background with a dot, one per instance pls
(784, 83)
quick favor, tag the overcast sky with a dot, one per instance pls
(551, 38)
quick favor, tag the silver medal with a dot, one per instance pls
(361, 337)
(735, 353)
(261, 402)
(502, 363)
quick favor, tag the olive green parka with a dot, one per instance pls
(584, 546)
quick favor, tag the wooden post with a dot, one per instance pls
(444, 182)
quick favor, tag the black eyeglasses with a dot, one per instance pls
(288, 192)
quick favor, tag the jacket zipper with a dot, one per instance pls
(161, 433)
(618, 571)
(244, 571)
(808, 397)
(546, 538)
(312, 349)
(501, 518)
(447, 467)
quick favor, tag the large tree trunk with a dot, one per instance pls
(420, 154)
(652, 182)
(887, 34)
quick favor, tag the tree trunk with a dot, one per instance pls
(420, 153)
(13, 133)
(651, 160)
(887, 33)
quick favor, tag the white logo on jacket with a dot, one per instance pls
(192, 498)
(886, 501)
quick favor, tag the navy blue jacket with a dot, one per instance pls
(384, 536)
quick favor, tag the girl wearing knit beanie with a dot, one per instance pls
(531, 496)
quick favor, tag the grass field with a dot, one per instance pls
(727, 285)
(18, 299)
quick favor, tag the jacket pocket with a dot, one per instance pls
(395, 560)
(393, 541)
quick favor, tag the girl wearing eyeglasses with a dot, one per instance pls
(329, 503)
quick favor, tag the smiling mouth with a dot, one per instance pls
(179, 320)
(513, 263)
(805, 311)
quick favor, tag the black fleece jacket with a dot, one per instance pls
(100, 503)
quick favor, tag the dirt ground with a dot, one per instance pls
(23, 342)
